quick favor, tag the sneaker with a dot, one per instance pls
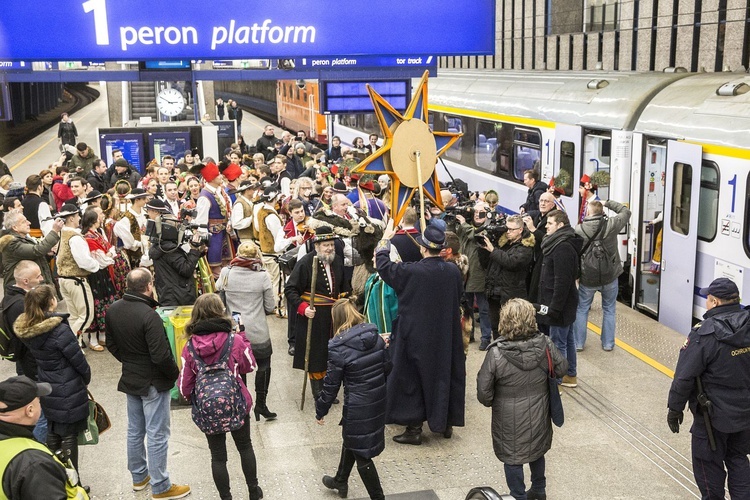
(569, 381)
(174, 492)
(142, 485)
(608, 349)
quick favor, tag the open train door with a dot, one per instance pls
(567, 154)
(680, 235)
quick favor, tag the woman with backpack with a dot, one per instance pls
(213, 361)
(357, 357)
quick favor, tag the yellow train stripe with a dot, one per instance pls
(493, 116)
(635, 352)
(728, 151)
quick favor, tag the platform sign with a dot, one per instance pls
(174, 144)
(337, 97)
(131, 146)
(227, 29)
(350, 62)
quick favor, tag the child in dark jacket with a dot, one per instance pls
(357, 357)
(208, 330)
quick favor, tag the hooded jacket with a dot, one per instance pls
(532, 198)
(557, 282)
(513, 381)
(208, 339)
(16, 248)
(174, 273)
(358, 358)
(508, 267)
(61, 363)
(610, 240)
(718, 351)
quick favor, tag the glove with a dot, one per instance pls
(674, 419)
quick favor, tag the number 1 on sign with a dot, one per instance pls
(733, 183)
(100, 19)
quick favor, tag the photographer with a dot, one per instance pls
(507, 266)
(174, 262)
(475, 284)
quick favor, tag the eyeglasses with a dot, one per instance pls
(513, 228)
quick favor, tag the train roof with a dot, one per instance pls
(596, 99)
(692, 109)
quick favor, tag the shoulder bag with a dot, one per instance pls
(97, 423)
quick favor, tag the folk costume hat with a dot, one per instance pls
(137, 193)
(340, 188)
(722, 288)
(229, 170)
(68, 210)
(209, 171)
(432, 238)
(17, 392)
(158, 205)
(325, 233)
(270, 193)
(93, 195)
(244, 186)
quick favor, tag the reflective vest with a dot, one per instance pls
(13, 446)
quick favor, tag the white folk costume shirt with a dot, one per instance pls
(203, 205)
(43, 212)
(81, 253)
(174, 206)
(239, 221)
(122, 230)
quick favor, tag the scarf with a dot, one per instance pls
(252, 264)
(551, 241)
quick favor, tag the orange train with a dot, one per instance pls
(298, 107)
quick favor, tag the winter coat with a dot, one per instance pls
(513, 381)
(532, 198)
(508, 267)
(610, 240)
(358, 358)
(61, 192)
(129, 175)
(61, 363)
(85, 164)
(67, 133)
(540, 222)
(97, 182)
(477, 275)
(716, 351)
(428, 380)
(557, 281)
(174, 273)
(208, 339)
(12, 306)
(16, 248)
(250, 293)
(136, 338)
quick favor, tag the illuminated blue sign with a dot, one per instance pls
(364, 62)
(227, 29)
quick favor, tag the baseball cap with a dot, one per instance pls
(722, 288)
(17, 392)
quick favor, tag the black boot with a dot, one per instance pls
(332, 484)
(69, 447)
(255, 492)
(54, 442)
(340, 483)
(315, 387)
(262, 381)
(412, 435)
(369, 475)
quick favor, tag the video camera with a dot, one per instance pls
(493, 228)
(167, 228)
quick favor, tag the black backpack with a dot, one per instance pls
(595, 260)
(7, 338)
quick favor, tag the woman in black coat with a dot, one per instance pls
(60, 363)
(357, 357)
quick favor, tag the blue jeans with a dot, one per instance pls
(562, 336)
(484, 314)
(609, 299)
(148, 418)
(40, 429)
(514, 478)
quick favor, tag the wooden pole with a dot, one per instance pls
(421, 190)
(309, 329)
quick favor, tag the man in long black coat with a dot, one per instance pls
(329, 285)
(428, 380)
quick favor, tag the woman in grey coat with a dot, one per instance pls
(248, 291)
(513, 380)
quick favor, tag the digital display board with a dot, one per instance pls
(131, 146)
(174, 144)
(143, 30)
(352, 97)
(225, 133)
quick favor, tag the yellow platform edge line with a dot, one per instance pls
(635, 352)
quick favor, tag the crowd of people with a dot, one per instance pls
(287, 228)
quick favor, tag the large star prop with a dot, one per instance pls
(405, 137)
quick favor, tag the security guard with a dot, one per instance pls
(713, 376)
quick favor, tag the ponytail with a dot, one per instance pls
(37, 303)
(345, 315)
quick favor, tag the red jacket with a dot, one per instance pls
(60, 191)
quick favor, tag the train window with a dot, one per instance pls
(456, 125)
(526, 151)
(296, 94)
(486, 145)
(504, 148)
(708, 203)
(682, 179)
(564, 178)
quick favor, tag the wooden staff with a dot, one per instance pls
(418, 155)
(309, 328)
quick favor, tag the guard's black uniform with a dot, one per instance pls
(718, 351)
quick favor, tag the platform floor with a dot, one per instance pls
(615, 443)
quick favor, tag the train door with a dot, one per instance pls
(680, 235)
(567, 161)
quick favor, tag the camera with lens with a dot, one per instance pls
(493, 228)
(186, 213)
(167, 228)
(464, 209)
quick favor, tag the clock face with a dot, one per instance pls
(170, 102)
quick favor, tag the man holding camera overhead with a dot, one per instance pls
(174, 262)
